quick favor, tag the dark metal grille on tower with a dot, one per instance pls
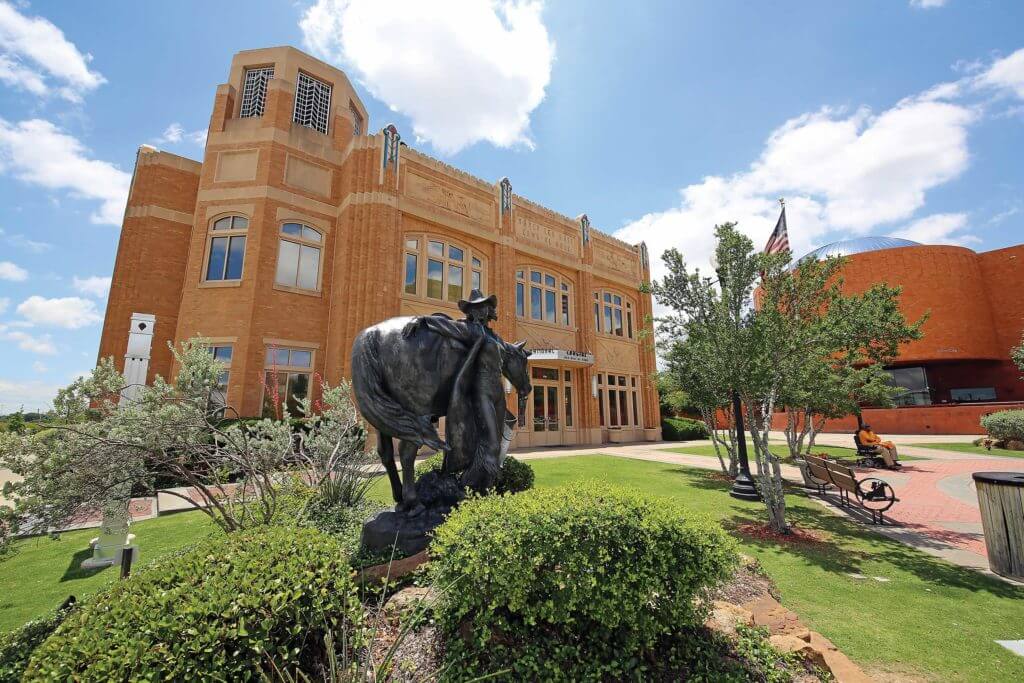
(312, 103)
(254, 91)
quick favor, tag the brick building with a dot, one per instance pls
(299, 229)
(960, 369)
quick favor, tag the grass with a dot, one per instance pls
(44, 572)
(931, 618)
(970, 448)
(781, 450)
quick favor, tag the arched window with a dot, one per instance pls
(226, 249)
(544, 296)
(298, 258)
(613, 314)
(439, 269)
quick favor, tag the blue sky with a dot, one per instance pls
(657, 119)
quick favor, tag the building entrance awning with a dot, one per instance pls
(561, 356)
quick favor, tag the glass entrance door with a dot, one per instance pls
(552, 423)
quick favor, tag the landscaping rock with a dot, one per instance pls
(776, 618)
(725, 617)
(1015, 445)
(806, 651)
(393, 570)
(408, 599)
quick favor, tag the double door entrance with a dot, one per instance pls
(554, 422)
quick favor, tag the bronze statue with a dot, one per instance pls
(409, 371)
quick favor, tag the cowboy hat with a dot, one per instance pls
(476, 297)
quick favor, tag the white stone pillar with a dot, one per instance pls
(136, 360)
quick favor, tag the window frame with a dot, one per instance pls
(241, 98)
(287, 369)
(230, 233)
(358, 124)
(301, 242)
(473, 260)
(605, 309)
(313, 115)
(549, 282)
(625, 390)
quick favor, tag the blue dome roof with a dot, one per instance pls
(859, 246)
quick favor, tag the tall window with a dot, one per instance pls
(222, 354)
(613, 314)
(286, 380)
(618, 401)
(227, 248)
(357, 120)
(312, 103)
(254, 91)
(438, 269)
(548, 299)
(298, 259)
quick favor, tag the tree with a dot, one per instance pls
(1017, 355)
(672, 398)
(101, 447)
(16, 423)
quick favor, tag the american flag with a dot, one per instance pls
(779, 241)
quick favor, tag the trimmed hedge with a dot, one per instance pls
(17, 646)
(581, 581)
(1006, 425)
(683, 429)
(221, 611)
(514, 476)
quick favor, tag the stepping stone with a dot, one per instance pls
(1014, 646)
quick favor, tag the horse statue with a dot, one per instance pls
(409, 371)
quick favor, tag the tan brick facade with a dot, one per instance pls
(368, 212)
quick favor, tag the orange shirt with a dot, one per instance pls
(868, 437)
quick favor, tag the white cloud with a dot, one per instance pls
(175, 133)
(33, 51)
(1006, 74)
(32, 394)
(939, 228)
(70, 312)
(39, 344)
(927, 4)
(463, 72)
(37, 152)
(4, 304)
(93, 286)
(846, 173)
(22, 242)
(13, 272)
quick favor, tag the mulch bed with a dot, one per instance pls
(762, 532)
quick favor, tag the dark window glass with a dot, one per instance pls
(218, 256)
(549, 281)
(608, 327)
(301, 359)
(597, 317)
(454, 253)
(549, 306)
(600, 405)
(538, 410)
(544, 373)
(221, 353)
(565, 310)
(613, 408)
(454, 283)
(914, 383)
(410, 273)
(629, 324)
(622, 408)
(618, 322)
(535, 307)
(534, 276)
(236, 254)
(476, 280)
(292, 229)
(568, 405)
(552, 405)
(636, 420)
(435, 273)
(520, 303)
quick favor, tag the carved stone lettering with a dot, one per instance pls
(614, 261)
(425, 189)
(543, 236)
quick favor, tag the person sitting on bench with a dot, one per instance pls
(885, 448)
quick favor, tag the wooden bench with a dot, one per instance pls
(872, 494)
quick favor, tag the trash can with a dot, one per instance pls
(1001, 497)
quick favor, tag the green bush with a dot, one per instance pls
(17, 646)
(683, 429)
(514, 476)
(579, 581)
(1006, 425)
(220, 611)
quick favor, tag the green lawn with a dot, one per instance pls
(931, 619)
(44, 572)
(970, 448)
(781, 450)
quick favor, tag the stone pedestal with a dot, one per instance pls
(409, 535)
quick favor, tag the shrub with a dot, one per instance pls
(17, 646)
(219, 611)
(1006, 425)
(581, 580)
(514, 476)
(683, 429)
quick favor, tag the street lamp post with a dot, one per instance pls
(743, 486)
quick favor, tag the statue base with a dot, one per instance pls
(438, 493)
(408, 535)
